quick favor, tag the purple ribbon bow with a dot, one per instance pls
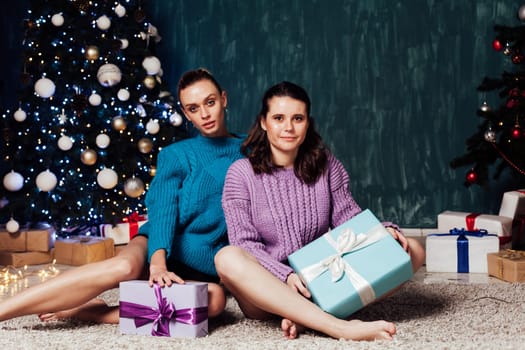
(162, 315)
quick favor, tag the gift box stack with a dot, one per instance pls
(80, 250)
(122, 233)
(31, 246)
(465, 239)
(180, 310)
(352, 265)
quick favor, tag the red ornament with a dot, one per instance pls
(516, 132)
(471, 177)
(496, 45)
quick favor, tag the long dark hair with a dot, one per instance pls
(311, 158)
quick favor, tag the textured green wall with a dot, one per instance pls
(393, 83)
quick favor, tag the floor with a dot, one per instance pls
(14, 280)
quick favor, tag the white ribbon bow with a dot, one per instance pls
(347, 242)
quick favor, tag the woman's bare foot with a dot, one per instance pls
(95, 310)
(375, 330)
(291, 330)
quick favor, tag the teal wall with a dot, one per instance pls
(393, 83)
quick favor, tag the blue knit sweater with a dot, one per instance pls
(185, 216)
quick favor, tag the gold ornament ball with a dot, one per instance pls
(119, 123)
(134, 187)
(149, 82)
(88, 157)
(153, 170)
(92, 52)
(145, 145)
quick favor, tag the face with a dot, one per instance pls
(285, 124)
(203, 106)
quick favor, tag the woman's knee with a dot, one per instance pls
(227, 259)
(127, 267)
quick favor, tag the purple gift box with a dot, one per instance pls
(177, 311)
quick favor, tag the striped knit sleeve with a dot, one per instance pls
(161, 201)
(344, 207)
(237, 212)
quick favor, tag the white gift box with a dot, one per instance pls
(121, 233)
(494, 224)
(513, 204)
(456, 253)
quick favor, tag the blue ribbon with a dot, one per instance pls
(462, 244)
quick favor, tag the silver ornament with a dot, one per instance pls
(521, 13)
(490, 135)
(485, 107)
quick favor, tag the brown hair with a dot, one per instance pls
(312, 157)
(193, 76)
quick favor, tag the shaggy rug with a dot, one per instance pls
(428, 316)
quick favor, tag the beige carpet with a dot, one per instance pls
(428, 316)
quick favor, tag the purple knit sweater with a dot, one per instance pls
(271, 216)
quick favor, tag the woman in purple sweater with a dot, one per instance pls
(287, 192)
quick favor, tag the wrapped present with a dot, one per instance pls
(493, 224)
(513, 204)
(82, 250)
(18, 259)
(123, 232)
(32, 240)
(13, 242)
(180, 310)
(460, 251)
(508, 265)
(352, 265)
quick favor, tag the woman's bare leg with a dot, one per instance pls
(260, 294)
(77, 286)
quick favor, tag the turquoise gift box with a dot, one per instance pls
(352, 265)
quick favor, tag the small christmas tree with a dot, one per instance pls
(81, 146)
(500, 135)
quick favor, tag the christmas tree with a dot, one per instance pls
(80, 146)
(500, 139)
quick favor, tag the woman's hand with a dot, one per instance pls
(398, 236)
(294, 282)
(158, 272)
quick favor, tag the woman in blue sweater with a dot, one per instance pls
(185, 225)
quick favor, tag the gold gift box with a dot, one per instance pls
(28, 240)
(507, 265)
(82, 250)
(18, 259)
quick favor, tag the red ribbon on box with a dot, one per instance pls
(470, 221)
(133, 221)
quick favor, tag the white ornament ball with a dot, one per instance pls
(107, 178)
(95, 99)
(46, 181)
(124, 43)
(521, 13)
(153, 126)
(102, 141)
(45, 87)
(20, 115)
(176, 119)
(12, 226)
(120, 10)
(103, 22)
(57, 19)
(65, 143)
(109, 74)
(123, 94)
(151, 64)
(13, 181)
